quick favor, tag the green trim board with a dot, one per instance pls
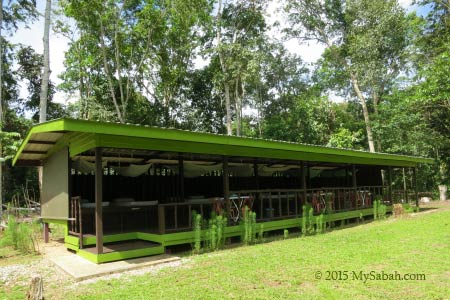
(120, 255)
(82, 135)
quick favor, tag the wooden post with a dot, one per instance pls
(303, 181)
(98, 201)
(36, 290)
(405, 189)
(354, 186)
(226, 186)
(416, 193)
(181, 177)
(162, 219)
(390, 184)
(46, 231)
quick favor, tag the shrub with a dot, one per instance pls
(309, 221)
(23, 236)
(197, 227)
(248, 226)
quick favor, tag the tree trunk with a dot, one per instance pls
(36, 291)
(360, 96)
(46, 71)
(108, 73)
(355, 84)
(224, 70)
(1, 109)
(376, 100)
(237, 107)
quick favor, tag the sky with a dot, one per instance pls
(58, 45)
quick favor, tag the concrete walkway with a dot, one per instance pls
(82, 269)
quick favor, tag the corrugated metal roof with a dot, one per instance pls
(81, 135)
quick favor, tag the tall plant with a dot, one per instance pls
(248, 226)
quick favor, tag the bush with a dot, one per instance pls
(248, 226)
(23, 236)
(214, 238)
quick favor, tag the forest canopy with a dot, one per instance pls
(381, 83)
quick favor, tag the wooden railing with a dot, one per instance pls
(75, 218)
(274, 204)
(176, 223)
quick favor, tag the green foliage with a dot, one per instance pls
(308, 220)
(214, 238)
(22, 236)
(285, 234)
(197, 228)
(261, 233)
(344, 138)
(379, 209)
(320, 224)
(215, 234)
(248, 227)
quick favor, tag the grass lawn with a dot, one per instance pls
(286, 269)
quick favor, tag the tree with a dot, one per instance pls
(431, 93)
(240, 31)
(10, 16)
(46, 67)
(364, 41)
(136, 48)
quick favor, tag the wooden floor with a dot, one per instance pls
(122, 246)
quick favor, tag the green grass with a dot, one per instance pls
(285, 269)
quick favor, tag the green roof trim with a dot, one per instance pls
(82, 135)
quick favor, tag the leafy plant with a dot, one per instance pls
(21, 236)
(197, 227)
(261, 233)
(320, 224)
(379, 209)
(308, 220)
(248, 226)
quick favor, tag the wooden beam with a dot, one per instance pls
(226, 186)
(41, 142)
(98, 201)
(33, 152)
(29, 163)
